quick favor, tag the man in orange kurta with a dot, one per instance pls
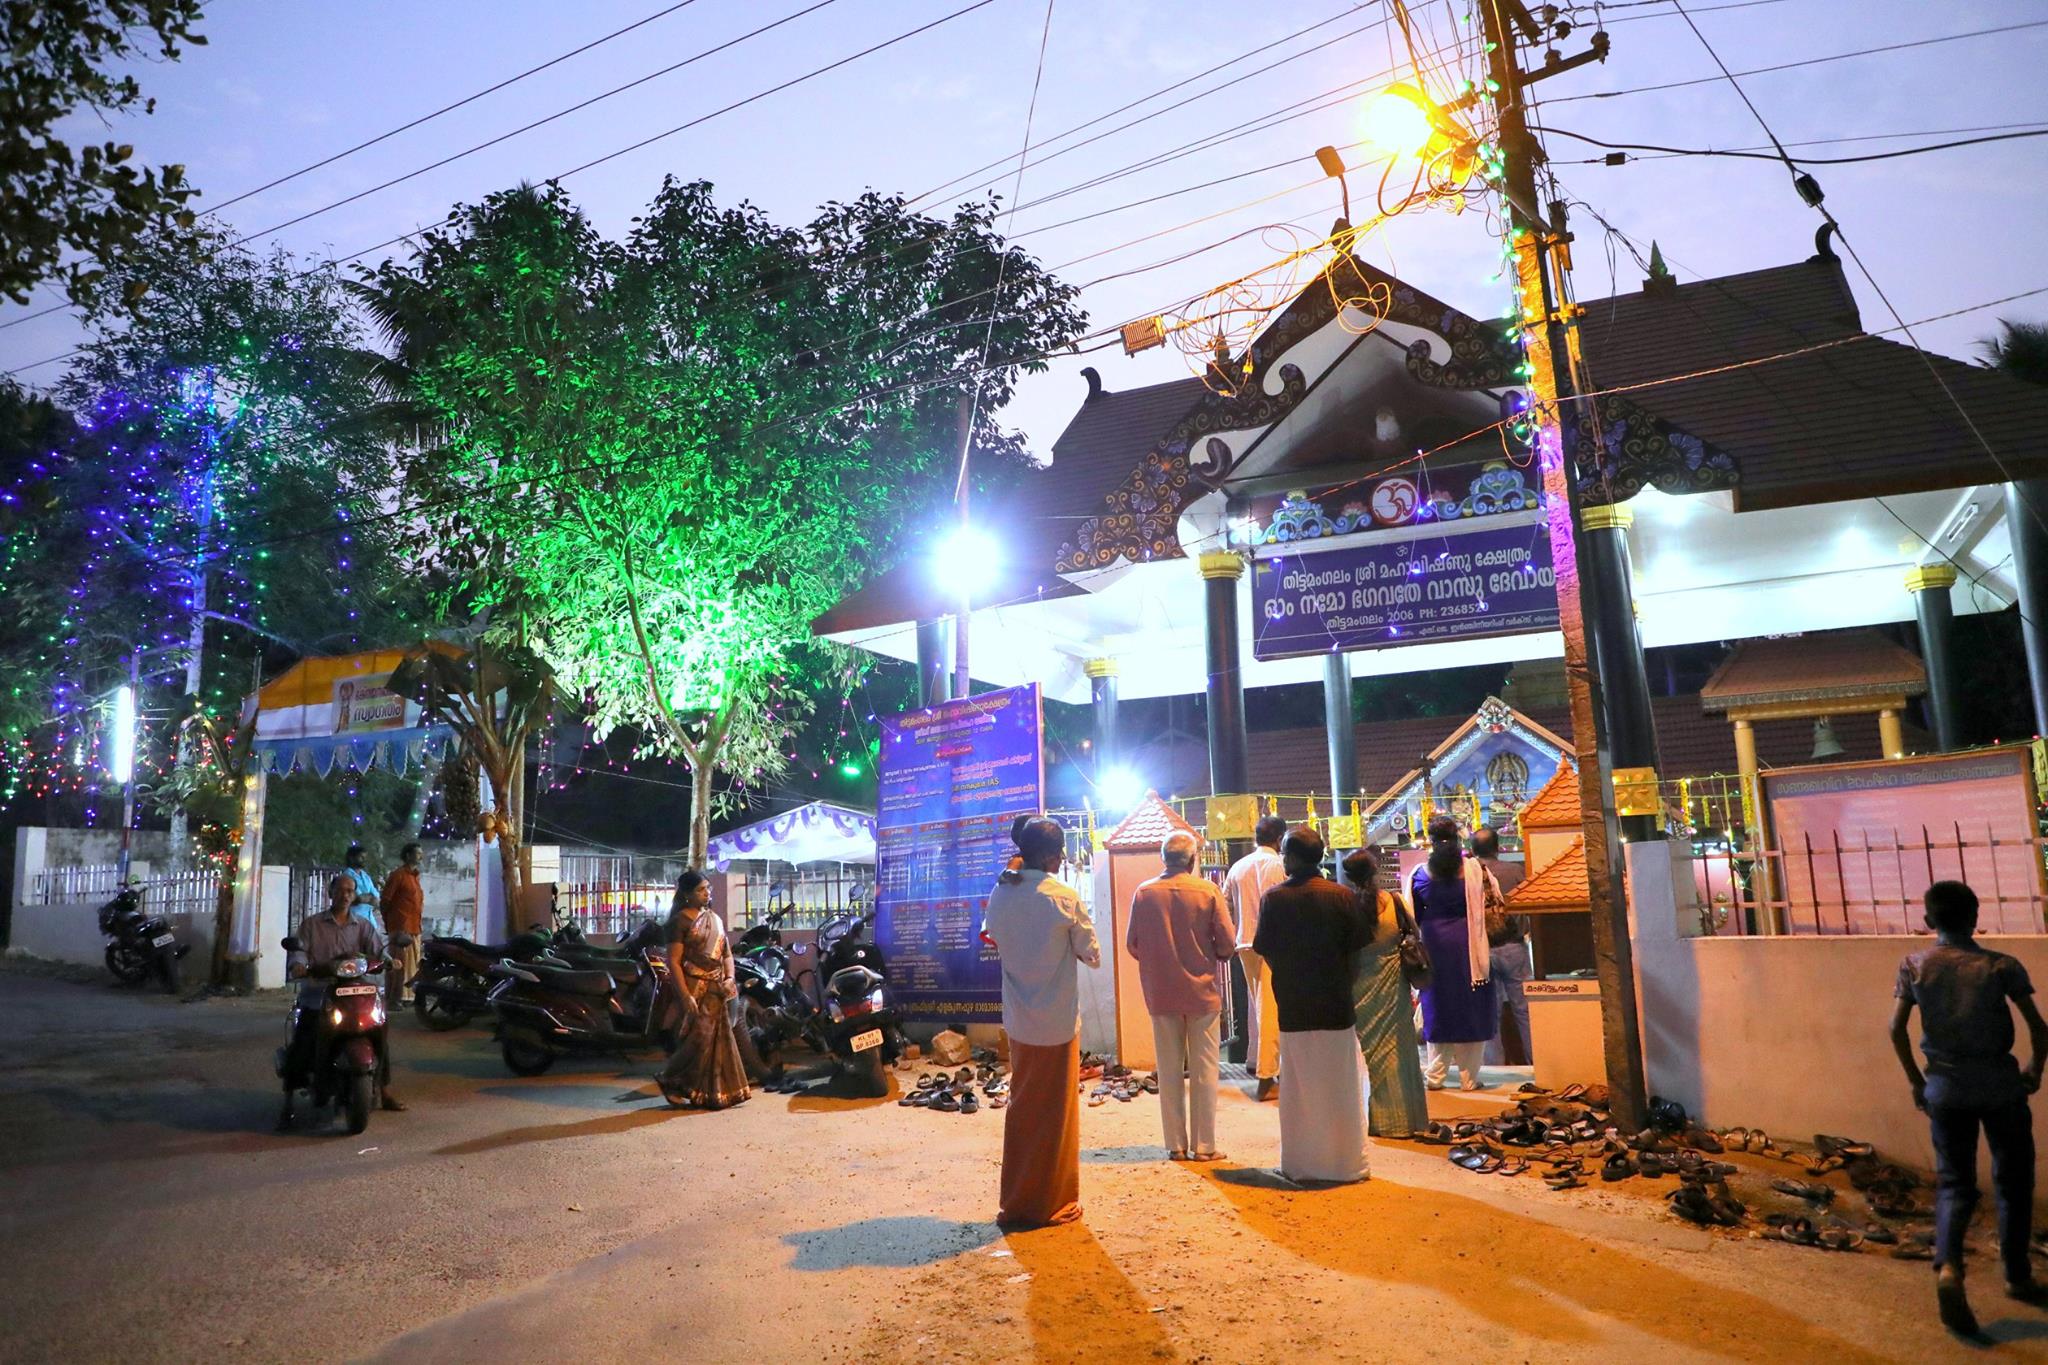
(402, 902)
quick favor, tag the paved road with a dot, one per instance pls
(148, 1213)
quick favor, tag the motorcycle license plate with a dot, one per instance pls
(163, 940)
(866, 1042)
(355, 990)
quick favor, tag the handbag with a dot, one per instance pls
(1415, 968)
(1496, 907)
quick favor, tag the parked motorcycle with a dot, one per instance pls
(453, 984)
(862, 1030)
(776, 1009)
(140, 945)
(345, 1062)
(546, 1007)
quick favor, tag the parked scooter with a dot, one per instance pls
(140, 946)
(594, 1003)
(776, 1010)
(861, 1027)
(453, 984)
(347, 1055)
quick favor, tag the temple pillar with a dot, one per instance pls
(1102, 675)
(934, 662)
(2026, 524)
(1891, 735)
(1745, 748)
(1935, 611)
(1618, 651)
(1342, 735)
(1229, 757)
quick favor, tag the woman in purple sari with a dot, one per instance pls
(1459, 1009)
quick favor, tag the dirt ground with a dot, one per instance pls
(148, 1213)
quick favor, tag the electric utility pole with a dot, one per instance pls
(1539, 249)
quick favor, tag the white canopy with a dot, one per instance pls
(816, 833)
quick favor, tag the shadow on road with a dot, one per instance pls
(904, 1241)
(1526, 1276)
(1080, 1303)
(554, 1132)
(836, 1094)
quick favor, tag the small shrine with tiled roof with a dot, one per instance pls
(1559, 884)
(1146, 827)
(1483, 771)
(1556, 806)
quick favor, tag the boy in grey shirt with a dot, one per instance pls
(1972, 1081)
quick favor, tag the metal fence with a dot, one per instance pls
(195, 891)
(1871, 884)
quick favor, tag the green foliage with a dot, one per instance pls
(666, 456)
(2021, 350)
(88, 202)
(309, 820)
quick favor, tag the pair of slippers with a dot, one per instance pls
(1707, 1205)
(1811, 1191)
(1801, 1231)
(1177, 1155)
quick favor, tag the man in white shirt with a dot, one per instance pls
(1247, 882)
(1042, 933)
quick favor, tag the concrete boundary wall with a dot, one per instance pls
(1790, 1033)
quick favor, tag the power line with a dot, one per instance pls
(1805, 142)
(451, 108)
(575, 108)
(1781, 154)
(1167, 89)
(1792, 66)
(609, 156)
(1810, 193)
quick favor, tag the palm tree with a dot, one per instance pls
(2021, 352)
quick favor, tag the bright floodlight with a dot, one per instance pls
(1120, 789)
(122, 762)
(1399, 121)
(967, 559)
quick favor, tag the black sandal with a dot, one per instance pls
(1805, 1189)
(1617, 1167)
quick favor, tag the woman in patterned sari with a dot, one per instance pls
(704, 1071)
(1397, 1104)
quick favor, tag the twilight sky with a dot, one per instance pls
(281, 86)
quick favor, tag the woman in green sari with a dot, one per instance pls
(1384, 1012)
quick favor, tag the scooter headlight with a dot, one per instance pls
(335, 1016)
(376, 1014)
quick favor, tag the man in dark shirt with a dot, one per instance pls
(1972, 1080)
(1509, 953)
(1309, 928)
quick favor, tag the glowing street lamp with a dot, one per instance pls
(1401, 121)
(967, 560)
(121, 753)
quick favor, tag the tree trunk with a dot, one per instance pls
(508, 860)
(223, 926)
(700, 809)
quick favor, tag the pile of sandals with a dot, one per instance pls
(1114, 1081)
(1569, 1138)
(955, 1092)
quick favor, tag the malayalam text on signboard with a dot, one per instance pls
(953, 778)
(1450, 584)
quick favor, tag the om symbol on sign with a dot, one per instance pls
(1393, 502)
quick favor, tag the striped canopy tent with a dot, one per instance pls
(819, 832)
(337, 711)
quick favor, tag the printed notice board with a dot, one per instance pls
(954, 777)
(1406, 587)
(1862, 841)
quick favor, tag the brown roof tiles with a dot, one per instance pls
(1829, 666)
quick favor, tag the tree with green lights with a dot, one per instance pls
(676, 450)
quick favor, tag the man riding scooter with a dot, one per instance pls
(334, 934)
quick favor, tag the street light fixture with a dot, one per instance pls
(1401, 120)
(967, 560)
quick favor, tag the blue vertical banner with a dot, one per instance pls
(954, 777)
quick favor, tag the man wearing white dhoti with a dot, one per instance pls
(1309, 928)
